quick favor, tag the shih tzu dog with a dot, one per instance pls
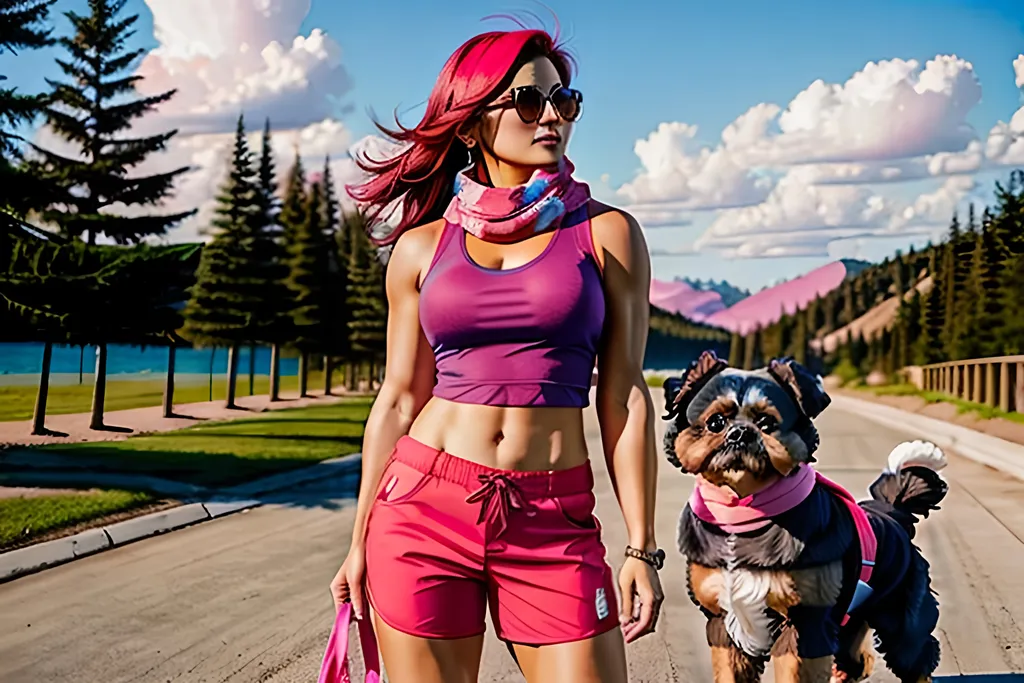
(784, 563)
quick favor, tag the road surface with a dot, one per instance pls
(244, 599)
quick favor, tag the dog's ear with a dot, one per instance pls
(804, 388)
(679, 392)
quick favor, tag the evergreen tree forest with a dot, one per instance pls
(958, 299)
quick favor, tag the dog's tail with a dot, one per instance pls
(911, 487)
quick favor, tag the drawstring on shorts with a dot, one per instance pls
(497, 495)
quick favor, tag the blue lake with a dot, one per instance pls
(22, 359)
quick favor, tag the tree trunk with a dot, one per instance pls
(213, 353)
(232, 375)
(99, 391)
(39, 415)
(303, 373)
(169, 385)
(328, 372)
(350, 376)
(81, 363)
(252, 368)
(275, 372)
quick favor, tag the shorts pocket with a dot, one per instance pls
(400, 482)
(578, 511)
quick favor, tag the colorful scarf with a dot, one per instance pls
(719, 505)
(510, 213)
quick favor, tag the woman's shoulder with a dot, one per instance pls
(611, 225)
(419, 241)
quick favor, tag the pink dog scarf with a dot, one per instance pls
(507, 213)
(721, 506)
(335, 665)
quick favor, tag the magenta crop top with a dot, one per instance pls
(527, 336)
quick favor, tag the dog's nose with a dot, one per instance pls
(740, 435)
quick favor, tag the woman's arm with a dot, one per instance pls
(409, 371)
(624, 406)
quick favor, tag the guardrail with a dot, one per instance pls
(996, 382)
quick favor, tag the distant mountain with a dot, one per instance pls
(731, 295)
(728, 307)
(768, 305)
(854, 266)
(681, 298)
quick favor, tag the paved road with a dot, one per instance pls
(244, 599)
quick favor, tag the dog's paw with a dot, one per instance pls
(867, 668)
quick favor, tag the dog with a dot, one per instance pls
(785, 564)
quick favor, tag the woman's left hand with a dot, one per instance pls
(641, 598)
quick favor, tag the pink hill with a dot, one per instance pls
(679, 297)
(767, 306)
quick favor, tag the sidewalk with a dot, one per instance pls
(212, 504)
(122, 424)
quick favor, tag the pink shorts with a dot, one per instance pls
(446, 537)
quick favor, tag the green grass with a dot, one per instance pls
(22, 519)
(983, 411)
(655, 380)
(17, 402)
(227, 453)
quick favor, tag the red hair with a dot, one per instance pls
(423, 174)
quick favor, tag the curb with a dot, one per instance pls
(35, 558)
(986, 449)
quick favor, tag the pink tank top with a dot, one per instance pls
(527, 336)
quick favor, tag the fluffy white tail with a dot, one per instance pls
(916, 454)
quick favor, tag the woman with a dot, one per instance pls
(477, 487)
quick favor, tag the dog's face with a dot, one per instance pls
(728, 424)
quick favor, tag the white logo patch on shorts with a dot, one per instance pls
(601, 602)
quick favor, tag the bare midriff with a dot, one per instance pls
(506, 438)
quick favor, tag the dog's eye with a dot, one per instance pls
(766, 423)
(715, 423)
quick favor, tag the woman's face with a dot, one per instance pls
(502, 134)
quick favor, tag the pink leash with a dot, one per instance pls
(335, 665)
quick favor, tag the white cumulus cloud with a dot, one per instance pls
(798, 180)
(233, 56)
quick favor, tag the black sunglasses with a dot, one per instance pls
(529, 102)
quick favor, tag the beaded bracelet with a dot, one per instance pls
(655, 559)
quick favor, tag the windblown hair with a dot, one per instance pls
(422, 174)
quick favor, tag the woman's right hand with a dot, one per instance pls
(348, 582)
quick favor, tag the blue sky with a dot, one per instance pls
(646, 63)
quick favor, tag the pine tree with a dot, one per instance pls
(885, 362)
(929, 347)
(796, 346)
(736, 350)
(22, 27)
(221, 310)
(95, 114)
(849, 313)
(858, 352)
(772, 341)
(366, 300)
(309, 265)
(751, 350)
(985, 284)
(1008, 226)
(830, 313)
(268, 264)
(814, 318)
(959, 310)
(910, 329)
